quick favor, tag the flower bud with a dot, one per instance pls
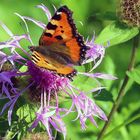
(130, 12)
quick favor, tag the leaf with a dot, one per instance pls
(26, 112)
(85, 83)
(106, 15)
(134, 74)
(110, 15)
(122, 124)
(23, 69)
(115, 34)
(104, 96)
(109, 68)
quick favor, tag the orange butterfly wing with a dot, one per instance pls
(62, 30)
(56, 65)
(63, 39)
(58, 29)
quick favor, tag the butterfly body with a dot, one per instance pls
(60, 46)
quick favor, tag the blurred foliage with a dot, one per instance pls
(99, 17)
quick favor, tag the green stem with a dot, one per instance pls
(122, 90)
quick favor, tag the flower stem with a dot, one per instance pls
(122, 90)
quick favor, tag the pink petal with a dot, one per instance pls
(46, 10)
(38, 23)
(99, 75)
(6, 29)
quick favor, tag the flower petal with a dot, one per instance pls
(96, 89)
(6, 29)
(11, 110)
(99, 75)
(46, 10)
(26, 27)
(38, 23)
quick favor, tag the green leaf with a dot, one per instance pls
(109, 68)
(82, 82)
(106, 15)
(104, 96)
(23, 69)
(26, 112)
(10, 135)
(134, 74)
(85, 83)
(122, 124)
(115, 34)
(110, 15)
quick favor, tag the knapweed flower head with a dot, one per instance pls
(42, 85)
(130, 12)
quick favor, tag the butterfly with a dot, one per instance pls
(60, 46)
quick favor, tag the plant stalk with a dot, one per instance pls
(122, 90)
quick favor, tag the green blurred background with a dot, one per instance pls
(94, 16)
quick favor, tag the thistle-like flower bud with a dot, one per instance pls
(130, 12)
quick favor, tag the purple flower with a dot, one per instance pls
(86, 109)
(48, 119)
(8, 72)
(95, 54)
(46, 79)
(6, 83)
(49, 116)
(9, 90)
(46, 84)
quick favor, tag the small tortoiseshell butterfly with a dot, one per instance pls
(60, 46)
